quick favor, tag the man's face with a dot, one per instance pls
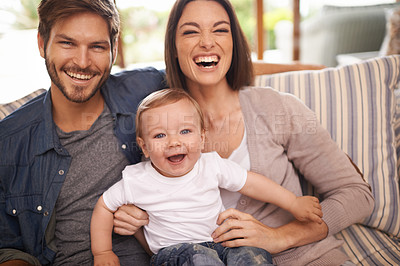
(78, 56)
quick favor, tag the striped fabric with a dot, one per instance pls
(368, 246)
(8, 108)
(356, 104)
(397, 127)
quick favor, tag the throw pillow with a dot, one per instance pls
(356, 104)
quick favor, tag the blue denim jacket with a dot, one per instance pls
(33, 163)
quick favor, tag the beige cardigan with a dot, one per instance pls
(284, 138)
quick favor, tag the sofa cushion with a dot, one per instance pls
(369, 246)
(356, 104)
(8, 108)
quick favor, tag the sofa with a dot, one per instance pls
(359, 105)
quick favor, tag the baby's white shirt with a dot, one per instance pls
(181, 209)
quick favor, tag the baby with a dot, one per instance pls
(179, 189)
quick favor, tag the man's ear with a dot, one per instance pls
(41, 45)
(142, 146)
(115, 51)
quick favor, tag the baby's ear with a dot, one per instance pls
(142, 146)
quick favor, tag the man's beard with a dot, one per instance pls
(77, 96)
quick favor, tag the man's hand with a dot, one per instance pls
(128, 219)
(241, 229)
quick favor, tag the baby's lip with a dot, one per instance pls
(176, 158)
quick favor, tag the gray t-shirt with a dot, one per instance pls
(97, 163)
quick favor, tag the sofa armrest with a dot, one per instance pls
(261, 68)
(8, 108)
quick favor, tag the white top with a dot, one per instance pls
(240, 156)
(181, 209)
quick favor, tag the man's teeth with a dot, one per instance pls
(79, 76)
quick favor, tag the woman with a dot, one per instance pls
(265, 131)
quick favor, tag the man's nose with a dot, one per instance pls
(82, 58)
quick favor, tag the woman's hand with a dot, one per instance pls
(128, 219)
(241, 229)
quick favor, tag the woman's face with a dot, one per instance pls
(204, 43)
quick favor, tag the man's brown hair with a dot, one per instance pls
(51, 11)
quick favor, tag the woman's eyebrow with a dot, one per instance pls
(198, 26)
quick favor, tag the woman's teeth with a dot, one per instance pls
(207, 61)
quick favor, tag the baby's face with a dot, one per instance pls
(172, 138)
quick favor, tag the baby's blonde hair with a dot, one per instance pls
(162, 98)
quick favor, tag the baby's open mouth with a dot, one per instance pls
(176, 158)
(207, 61)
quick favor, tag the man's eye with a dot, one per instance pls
(159, 136)
(66, 43)
(99, 47)
(185, 131)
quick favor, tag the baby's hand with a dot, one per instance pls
(106, 258)
(307, 208)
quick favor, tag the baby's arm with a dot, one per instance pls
(101, 227)
(259, 187)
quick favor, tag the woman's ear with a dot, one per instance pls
(142, 146)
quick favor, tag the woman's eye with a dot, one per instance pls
(159, 136)
(188, 32)
(185, 131)
(222, 30)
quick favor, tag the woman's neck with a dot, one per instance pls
(223, 118)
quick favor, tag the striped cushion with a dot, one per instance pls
(397, 128)
(368, 246)
(356, 104)
(8, 108)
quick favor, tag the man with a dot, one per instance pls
(63, 149)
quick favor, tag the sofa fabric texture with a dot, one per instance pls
(357, 105)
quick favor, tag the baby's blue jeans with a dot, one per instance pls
(210, 253)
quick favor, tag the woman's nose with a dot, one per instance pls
(207, 40)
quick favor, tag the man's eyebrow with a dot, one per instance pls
(65, 37)
(198, 26)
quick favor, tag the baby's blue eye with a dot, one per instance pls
(159, 136)
(185, 131)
